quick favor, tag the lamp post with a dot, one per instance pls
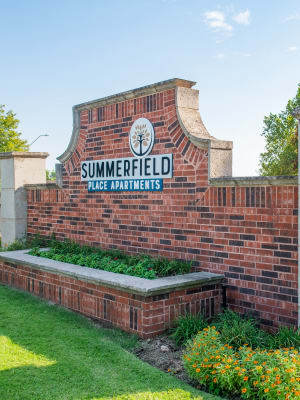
(297, 115)
(37, 139)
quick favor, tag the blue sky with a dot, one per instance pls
(244, 55)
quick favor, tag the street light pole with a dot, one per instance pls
(297, 116)
(37, 139)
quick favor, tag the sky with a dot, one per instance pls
(244, 56)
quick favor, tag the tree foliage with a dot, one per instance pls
(50, 175)
(10, 139)
(281, 149)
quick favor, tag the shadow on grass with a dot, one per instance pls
(87, 362)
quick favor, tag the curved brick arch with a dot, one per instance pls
(174, 100)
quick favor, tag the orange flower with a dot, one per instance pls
(246, 378)
(215, 380)
(198, 370)
(244, 390)
(255, 383)
(266, 390)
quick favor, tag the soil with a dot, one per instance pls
(162, 353)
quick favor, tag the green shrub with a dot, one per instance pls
(248, 373)
(186, 327)
(285, 337)
(112, 260)
(16, 245)
(26, 243)
(236, 330)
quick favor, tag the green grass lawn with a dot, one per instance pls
(47, 352)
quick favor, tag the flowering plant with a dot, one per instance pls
(251, 374)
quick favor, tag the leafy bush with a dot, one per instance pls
(25, 243)
(285, 337)
(113, 260)
(186, 327)
(16, 245)
(248, 373)
(236, 330)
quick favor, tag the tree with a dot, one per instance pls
(280, 132)
(9, 136)
(50, 175)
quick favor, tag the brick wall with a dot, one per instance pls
(248, 233)
(145, 316)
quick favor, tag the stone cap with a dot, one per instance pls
(132, 284)
(23, 154)
(41, 186)
(131, 94)
(284, 180)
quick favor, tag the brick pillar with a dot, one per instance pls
(18, 169)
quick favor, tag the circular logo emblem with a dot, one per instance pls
(141, 137)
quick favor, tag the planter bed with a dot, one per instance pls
(138, 305)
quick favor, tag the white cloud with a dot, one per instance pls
(220, 56)
(217, 21)
(292, 48)
(243, 18)
(293, 17)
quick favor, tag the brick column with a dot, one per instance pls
(18, 169)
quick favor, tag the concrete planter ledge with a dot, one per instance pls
(131, 284)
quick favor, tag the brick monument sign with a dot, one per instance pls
(142, 174)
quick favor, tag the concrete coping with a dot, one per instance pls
(23, 154)
(254, 181)
(131, 94)
(42, 186)
(131, 284)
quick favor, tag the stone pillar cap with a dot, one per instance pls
(23, 154)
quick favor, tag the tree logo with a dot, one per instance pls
(141, 137)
